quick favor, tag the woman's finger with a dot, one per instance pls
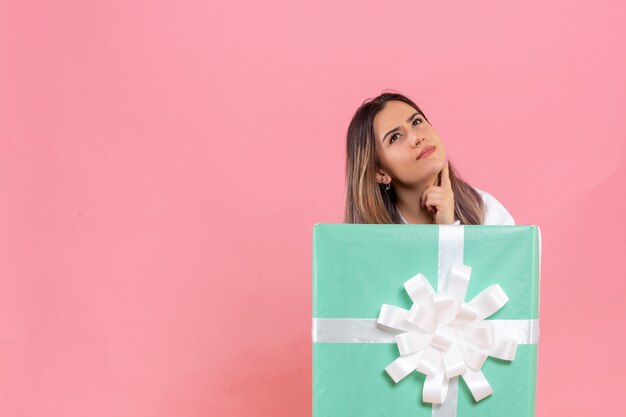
(425, 193)
(445, 178)
(433, 190)
(434, 200)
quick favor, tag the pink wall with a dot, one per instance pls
(162, 165)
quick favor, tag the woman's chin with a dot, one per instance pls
(431, 165)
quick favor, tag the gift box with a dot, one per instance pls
(421, 320)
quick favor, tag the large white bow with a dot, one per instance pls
(442, 336)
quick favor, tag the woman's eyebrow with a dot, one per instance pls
(409, 120)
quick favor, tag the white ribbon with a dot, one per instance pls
(442, 335)
(356, 330)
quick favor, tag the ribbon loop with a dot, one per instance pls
(411, 342)
(481, 333)
(473, 357)
(430, 362)
(466, 313)
(393, 317)
(505, 349)
(458, 280)
(477, 384)
(453, 362)
(418, 288)
(490, 300)
(443, 338)
(435, 388)
(422, 317)
(403, 366)
(445, 307)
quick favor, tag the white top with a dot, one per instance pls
(495, 213)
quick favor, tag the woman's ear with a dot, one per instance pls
(382, 177)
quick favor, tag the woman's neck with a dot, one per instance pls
(409, 204)
(415, 214)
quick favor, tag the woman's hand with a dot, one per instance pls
(439, 200)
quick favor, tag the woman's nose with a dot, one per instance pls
(415, 140)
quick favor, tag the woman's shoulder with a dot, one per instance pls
(495, 212)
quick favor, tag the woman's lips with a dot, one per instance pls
(426, 152)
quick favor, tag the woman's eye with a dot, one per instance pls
(417, 119)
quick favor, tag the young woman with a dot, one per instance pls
(397, 171)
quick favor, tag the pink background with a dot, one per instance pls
(162, 165)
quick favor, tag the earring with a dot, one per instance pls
(387, 186)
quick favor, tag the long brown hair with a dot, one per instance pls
(366, 199)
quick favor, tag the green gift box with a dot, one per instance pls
(360, 270)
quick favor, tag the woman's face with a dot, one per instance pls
(401, 135)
